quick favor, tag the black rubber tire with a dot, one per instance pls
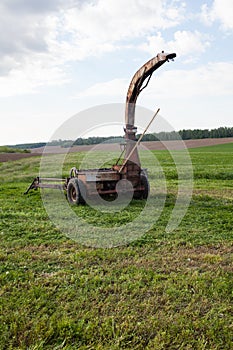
(82, 192)
(73, 192)
(145, 193)
(146, 185)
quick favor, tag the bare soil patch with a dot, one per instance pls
(6, 157)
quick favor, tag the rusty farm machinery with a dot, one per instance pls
(84, 183)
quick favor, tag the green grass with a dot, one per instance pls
(6, 149)
(163, 291)
(213, 149)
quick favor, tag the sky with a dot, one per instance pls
(60, 57)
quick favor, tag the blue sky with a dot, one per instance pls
(59, 57)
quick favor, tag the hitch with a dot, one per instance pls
(47, 182)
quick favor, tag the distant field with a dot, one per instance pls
(6, 149)
(163, 291)
(173, 145)
(227, 147)
(151, 145)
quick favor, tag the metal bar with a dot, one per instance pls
(137, 143)
(56, 186)
(120, 156)
(33, 185)
(51, 179)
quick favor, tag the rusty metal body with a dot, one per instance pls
(95, 181)
(139, 82)
(84, 183)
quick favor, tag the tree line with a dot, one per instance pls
(185, 134)
(188, 134)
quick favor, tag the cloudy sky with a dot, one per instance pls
(59, 57)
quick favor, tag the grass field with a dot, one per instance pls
(6, 149)
(163, 291)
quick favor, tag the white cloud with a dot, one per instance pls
(113, 21)
(38, 39)
(106, 26)
(28, 58)
(80, 29)
(113, 88)
(185, 43)
(221, 10)
(27, 80)
(213, 79)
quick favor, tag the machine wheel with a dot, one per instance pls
(73, 192)
(143, 194)
(146, 185)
